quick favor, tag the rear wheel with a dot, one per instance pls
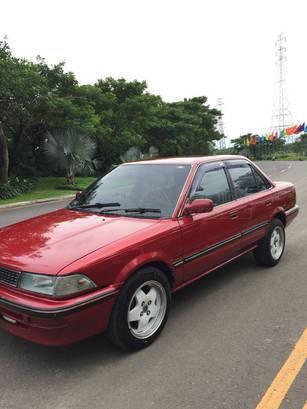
(271, 249)
(141, 310)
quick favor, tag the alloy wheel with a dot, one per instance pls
(147, 309)
(277, 242)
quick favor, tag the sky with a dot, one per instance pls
(220, 49)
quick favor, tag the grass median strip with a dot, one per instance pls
(286, 376)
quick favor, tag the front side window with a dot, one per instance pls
(244, 180)
(138, 190)
(261, 182)
(211, 183)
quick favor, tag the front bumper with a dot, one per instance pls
(55, 322)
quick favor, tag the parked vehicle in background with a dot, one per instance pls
(111, 260)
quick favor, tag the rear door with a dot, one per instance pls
(210, 239)
(255, 199)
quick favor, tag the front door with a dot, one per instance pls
(210, 239)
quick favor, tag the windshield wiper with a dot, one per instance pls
(96, 205)
(133, 210)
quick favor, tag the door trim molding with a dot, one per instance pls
(220, 244)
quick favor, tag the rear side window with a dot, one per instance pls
(211, 184)
(245, 179)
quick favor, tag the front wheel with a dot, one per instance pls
(141, 309)
(271, 249)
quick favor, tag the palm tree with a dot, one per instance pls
(135, 154)
(70, 151)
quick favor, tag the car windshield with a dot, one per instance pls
(135, 190)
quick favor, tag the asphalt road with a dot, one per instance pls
(226, 339)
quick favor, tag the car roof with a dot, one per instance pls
(195, 160)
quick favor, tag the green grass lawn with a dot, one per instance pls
(47, 188)
(291, 156)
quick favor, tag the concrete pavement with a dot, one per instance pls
(227, 337)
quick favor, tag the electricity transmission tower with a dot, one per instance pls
(281, 115)
(221, 144)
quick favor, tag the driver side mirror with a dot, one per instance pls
(78, 194)
(198, 206)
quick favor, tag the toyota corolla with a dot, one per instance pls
(111, 260)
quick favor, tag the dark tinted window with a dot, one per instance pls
(211, 184)
(244, 179)
(262, 184)
(150, 186)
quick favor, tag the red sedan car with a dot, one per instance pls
(111, 260)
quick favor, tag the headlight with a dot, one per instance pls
(55, 286)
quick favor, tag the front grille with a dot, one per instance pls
(9, 277)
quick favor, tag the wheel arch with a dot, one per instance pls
(161, 265)
(130, 270)
(280, 214)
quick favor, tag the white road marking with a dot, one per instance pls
(285, 170)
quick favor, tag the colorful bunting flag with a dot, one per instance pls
(291, 130)
(300, 128)
(253, 141)
(275, 135)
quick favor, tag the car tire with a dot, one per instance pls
(271, 248)
(141, 310)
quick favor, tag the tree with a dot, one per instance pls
(4, 157)
(184, 128)
(64, 106)
(70, 151)
(302, 144)
(36, 98)
(20, 91)
(126, 111)
(242, 143)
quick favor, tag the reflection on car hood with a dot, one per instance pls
(48, 243)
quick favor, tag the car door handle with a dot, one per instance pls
(268, 202)
(233, 215)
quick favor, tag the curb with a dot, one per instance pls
(38, 201)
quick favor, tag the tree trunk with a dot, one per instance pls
(4, 157)
(70, 176)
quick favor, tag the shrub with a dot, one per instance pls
(16, 186)
(70, 151)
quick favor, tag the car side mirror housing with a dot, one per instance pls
(198, 206)
(78, 194)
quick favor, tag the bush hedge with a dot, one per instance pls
(16, 186)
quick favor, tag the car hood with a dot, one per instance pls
(48, 243)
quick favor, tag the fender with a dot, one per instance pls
(141, 261)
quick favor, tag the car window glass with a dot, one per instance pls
(243, 180)
(261, 183)
(150, 186)
(212, 185)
